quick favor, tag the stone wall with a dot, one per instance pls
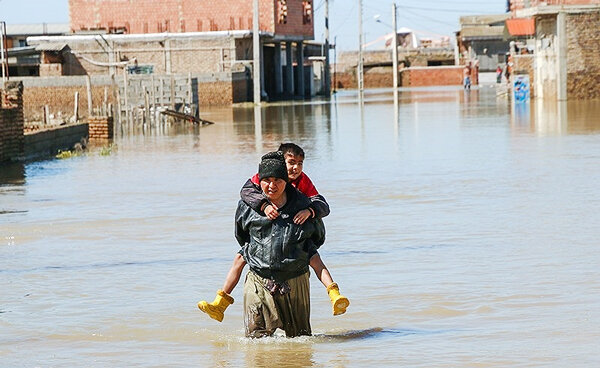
(11, 122)
(583, 60)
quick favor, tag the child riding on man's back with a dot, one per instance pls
(253, 196)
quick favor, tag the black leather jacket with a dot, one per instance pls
(278, 249)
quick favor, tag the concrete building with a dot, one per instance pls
(23, 59)
(565, 62)
(481, 38)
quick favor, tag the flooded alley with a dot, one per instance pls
(462, 229)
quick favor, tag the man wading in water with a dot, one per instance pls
(276, 290)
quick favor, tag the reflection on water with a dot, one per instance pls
(557, 117)
(12, 174)
(461, 228)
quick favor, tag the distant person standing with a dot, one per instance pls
(498, 74)
(467, 78)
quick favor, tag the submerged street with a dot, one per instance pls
(462, 229)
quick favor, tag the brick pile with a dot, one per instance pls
(11, 122)
(100, 128)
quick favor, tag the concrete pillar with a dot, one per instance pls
(300, 68)
(168, 69)
(289, 68)
(278, 75)
(561, 80)
(263, 91)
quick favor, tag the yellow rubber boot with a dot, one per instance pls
(339, 302)
(216, 309)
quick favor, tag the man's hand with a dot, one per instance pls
(271, 212)
(302, 216)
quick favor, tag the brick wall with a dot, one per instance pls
(183, 54)
(524, 64)
(59, 93)
(11, 122)
(520, 4)
(61, 101)
(432, 76)
(381, 77)
(583, 63)
(156, 16)
(100, 128)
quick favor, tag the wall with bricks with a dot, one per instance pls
(172, 53)
(157, 16)
(524, 64)
(100, 128)
(61, 101)
(521, 4)
(583, 61)
(11, 122)
(432, 76)
(59, 94)
(381, 77)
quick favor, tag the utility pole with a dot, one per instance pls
(3, 54)
(256, 53)
(359, 70)
(327, 75)
(395, 51)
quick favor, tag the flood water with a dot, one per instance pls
(463, 230)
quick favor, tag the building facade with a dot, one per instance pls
(281, 17)
(211, 40)
(567, 44)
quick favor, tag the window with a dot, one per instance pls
(307, 12)
(282, 10)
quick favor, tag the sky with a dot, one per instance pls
(429, 18)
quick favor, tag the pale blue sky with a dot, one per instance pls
(430, 16)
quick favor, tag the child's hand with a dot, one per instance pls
(302, 216)
(271, 212)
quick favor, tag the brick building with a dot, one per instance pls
(191, 36)
(567, 44)
(281, 17)
(524, 4)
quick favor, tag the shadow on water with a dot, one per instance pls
(410, 247)
(376, 332)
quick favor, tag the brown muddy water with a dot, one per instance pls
(463, 230)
